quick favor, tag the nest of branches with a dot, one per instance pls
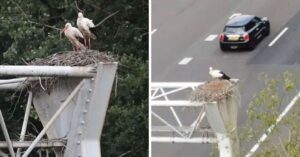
(71, 58)
(67, 58)
(212, 91)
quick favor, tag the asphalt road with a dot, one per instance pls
(181, 29)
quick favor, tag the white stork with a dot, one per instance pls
(72, 33)
(84, 25)
(217, 74)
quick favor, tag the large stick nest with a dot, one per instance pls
(67, 58)
(71, 58)
(212, 91)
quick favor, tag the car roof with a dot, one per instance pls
(240, 20)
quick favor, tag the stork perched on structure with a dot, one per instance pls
(84, 25)
(217, 74)
(72, 33)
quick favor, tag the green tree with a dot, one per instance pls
(30, 29)
(263, 111)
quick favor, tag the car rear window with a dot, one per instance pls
(234, 30)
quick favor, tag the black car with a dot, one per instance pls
(244, 31)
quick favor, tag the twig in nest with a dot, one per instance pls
(102, 21)
(40, 80)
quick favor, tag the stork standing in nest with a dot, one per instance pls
(72, 33)
(218, 74)
(84, 25)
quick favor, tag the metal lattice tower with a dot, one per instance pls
(206, 127)
(72, 113)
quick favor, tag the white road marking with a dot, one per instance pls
(278, 36)
(185, 61)
(271, 128)
(153, 31)
(235, 14)
(211, 37)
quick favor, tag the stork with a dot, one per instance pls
(84, 25)
(217, 74)
(72, 33)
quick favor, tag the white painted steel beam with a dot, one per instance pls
(96, 108)
(12, 86)
(167, 123)
(176, 103)
(53, 118)
(15, 80)
(164, 94)
(41, 144)
(174, 84)
(89, 114)
(17, 83)
(21, 79)
(25, 121)
(51, 71)
(183, 140)
(155, 91)
(182, 129)
(197, 122)
(171, 108)
(6, 135)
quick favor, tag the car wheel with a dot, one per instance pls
(251, 46)
(223, 48)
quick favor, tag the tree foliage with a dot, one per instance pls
(263, 112)
(30, 29)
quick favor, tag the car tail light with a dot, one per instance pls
(222, 37)
(246, 37)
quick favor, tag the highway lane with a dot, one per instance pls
(286, 50)
(181, 30)
(182, 36)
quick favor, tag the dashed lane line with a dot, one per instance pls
(211, 37)
(185, 61)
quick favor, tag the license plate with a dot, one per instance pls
(233, 47)
(233, 37)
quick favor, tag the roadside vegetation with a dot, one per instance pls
(264, 110)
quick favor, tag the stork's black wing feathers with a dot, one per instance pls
(225, 77)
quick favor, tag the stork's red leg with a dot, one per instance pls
(89, 43)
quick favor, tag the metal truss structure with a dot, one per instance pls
(161, 97)
(72, 112)
(172, 96)
(165, 95)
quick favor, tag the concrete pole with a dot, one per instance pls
(215, 120)
(222, 117)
